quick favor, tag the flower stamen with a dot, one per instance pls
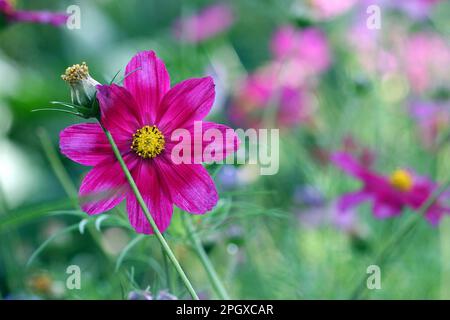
(76, 73)
(148, 142)
(401, 180)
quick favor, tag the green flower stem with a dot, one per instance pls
(404, 233)
(212, 274)
(141, 202)
(58, 167)
(64, 179)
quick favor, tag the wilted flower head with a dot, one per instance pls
(141, 116)
(83, 86)
(208, 23)
(388, 194)
(11, 15)
(41, 283)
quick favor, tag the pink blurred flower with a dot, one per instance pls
(425, 57)
(327, 9)
(299, 56)
(141, 116)
(372, 49)
(308, 48)
(262, 91)
(389, 195)
(208, 23)
(43, 17)
(432, 119)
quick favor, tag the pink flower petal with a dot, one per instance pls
(206, 144)
(85, 143)
(185, 103)
(350, 200)
(104, 187)
(206, 24)
(119, 112)
(148, 81)
(191, 188)
(383, 209)
(348, 163)
(155, 194)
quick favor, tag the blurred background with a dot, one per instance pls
(325, 73)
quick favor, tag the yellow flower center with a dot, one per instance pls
(401, 180)
(76, 73)
(148, 142)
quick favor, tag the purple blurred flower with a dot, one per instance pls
(43, 17)
(165, 295)
(389, 195)
(140, 295)
(308, 196)
(416, 9)
(208, 23)
(227, 177)
(146, 295)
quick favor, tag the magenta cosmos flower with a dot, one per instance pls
(389, 195)
(141, 116)
(11, 14)
(208, 23)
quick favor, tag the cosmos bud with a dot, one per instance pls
(82, 85)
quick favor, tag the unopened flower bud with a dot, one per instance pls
(82, 85)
